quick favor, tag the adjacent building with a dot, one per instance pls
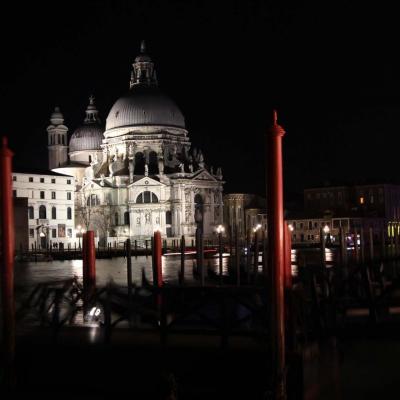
(350, 207)
(244, 212)
(50, 207)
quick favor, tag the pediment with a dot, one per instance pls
(146, 181)
(204, 176)
(91, 185)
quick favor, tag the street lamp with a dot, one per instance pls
(326, 230)
(291, 228)
(257, 228)
(220, 230)
(80, 231)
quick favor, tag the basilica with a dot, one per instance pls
(139, 174)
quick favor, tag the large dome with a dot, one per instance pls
(144, 105)
(86, 137)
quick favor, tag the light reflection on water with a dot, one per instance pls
(30, 274)
(115, 269)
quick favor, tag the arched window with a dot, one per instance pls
(139, 164)
(147, 197)
(126, 218)
(69, 213)
(30, 212)
(153, 163)
(42, 212)
(168, 217)
(116, 218)
(93, 200)
(53, 213)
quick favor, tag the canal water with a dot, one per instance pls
(29, 274)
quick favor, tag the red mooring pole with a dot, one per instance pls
(90, 259)
(277, 257)
(7, 264)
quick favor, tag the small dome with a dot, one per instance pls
(143, 106)
(86, 137)
(56, 117)
(89, 136)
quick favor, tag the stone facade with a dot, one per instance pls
(144, 175)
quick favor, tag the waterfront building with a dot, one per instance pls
(244, 212)
(308, 230)
(50, 208)
(139, 173)
(369, 200)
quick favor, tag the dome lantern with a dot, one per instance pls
(143, 69)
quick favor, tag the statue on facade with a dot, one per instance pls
(188, 215)
(146, 169)
(130, 150)
(147, 217)
(187, 195)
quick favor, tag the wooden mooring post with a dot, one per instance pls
(200, 255)
(129, 269)
(182, 273)
(237, 256)
(371, 244)
(7, 267)
(276, 257)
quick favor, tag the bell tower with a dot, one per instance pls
(57, 142)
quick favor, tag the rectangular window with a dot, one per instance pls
(309, 225)
(31, 233)
(41, 180)
(69, 196)
(68, 181)
(14, 193)
(14, 178)
(53, 195)
(53, 180)
(69, 232)
(42, 195)
(361, 200)
(30, 179)
(54, 233)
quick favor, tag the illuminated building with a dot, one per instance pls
(141, 174)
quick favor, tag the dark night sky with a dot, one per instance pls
(331, 70)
